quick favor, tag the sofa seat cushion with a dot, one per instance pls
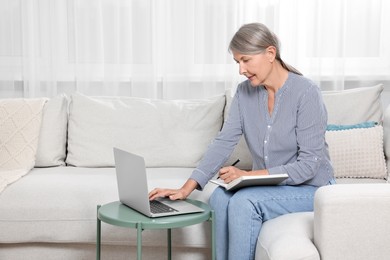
(59, 205)
(287, 237)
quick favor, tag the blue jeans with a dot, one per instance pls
(239, 215)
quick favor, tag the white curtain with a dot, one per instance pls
(172, 49)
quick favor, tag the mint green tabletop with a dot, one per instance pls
(115, 213)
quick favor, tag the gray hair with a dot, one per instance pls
(254, 38)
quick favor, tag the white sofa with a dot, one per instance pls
(50, 213)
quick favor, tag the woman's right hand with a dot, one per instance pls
(174, 194)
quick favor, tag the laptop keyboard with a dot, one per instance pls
(158, 207)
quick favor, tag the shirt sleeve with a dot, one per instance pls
(310, 136)
(222, 146)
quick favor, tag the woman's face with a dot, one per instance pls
(256, 67)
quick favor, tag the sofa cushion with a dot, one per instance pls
(52, 138)
(58, 205)
(20, 123)
(287, 237)
(357, 152)
(166, 133)
(353, 106)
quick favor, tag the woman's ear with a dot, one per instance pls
(271, 53)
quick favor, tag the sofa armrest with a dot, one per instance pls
(351, 221)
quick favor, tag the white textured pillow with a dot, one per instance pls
(166, 133)
(52, 139)
(357, 153)
(353, 106)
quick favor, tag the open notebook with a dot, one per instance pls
(258, 180)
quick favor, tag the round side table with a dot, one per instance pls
(115, 213)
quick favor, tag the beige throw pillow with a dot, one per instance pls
(20, 123)
(357, 153)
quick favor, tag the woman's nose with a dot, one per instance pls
(242, 69)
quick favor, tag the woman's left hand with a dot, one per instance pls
(230, 173)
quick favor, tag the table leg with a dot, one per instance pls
(139, 241)
(169, 244)
(98, 234)
(212, 235)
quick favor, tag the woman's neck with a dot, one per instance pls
(277, 78)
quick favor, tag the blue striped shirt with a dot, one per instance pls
(291, 140)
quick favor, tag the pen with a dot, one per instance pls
(238, 160)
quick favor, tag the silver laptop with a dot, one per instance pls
(133, 189)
